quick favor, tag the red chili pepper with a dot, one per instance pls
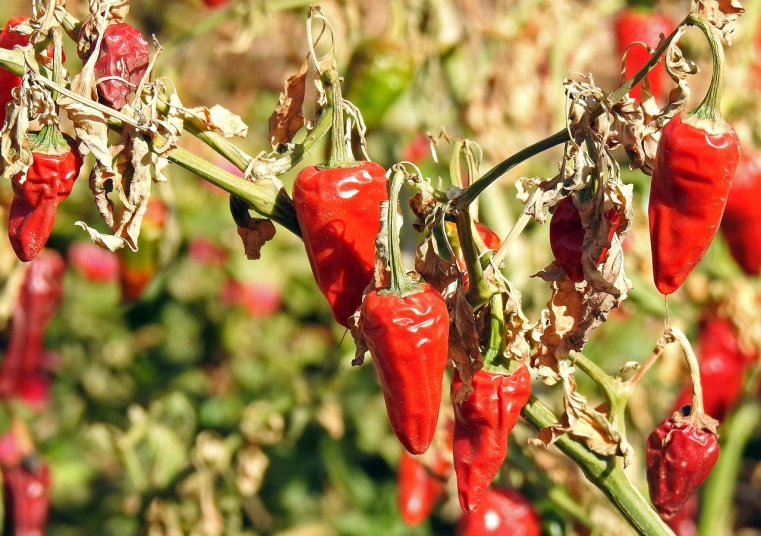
(722, 367)
(137, 268)
(121, 64)
(38, 301)
(503, 512)
(27, 489)
(741, 223)
(683, 523)
(693, 172)
(419, 488)
(338, 208)
(631, 26)
(679, 455)
(8, 80)
(214, 4)
(482, 424)
(95, 264)
(49, 180)
(567, 238)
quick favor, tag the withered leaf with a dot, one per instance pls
(218, 119)
(721, 14)
(254, 232)
(422, 204)
(436, 271)
(288, 119)
(464, 350)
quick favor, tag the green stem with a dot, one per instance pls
(470, 194)
(605, 473)
(339, 157)
(400, 282)
(719, 488)
(600, 377)
(496, 330)
(709, 108)
(479, 291)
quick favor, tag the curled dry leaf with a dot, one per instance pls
(254, 232)
(422, 204)
(517, 327)
(217, 119)
(288, 119)
(464, 349)
(14, 144)
(720, 13)
(436, 271)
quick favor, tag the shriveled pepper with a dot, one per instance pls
(36, 196)
(37, 302)
(632, 25)
(482, 425)
(741, 223)
(695, 163)
(27, 496)
(137, 268)
(338, 208)
(121, 65)
(567, 237)
(406, 328)
(504, 511)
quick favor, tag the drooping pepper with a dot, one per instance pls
(504, 511)
(567, 237)
(121, 65)
(694, 166)
(137, 268)
(741, 223)
(49, 180)
(27, 496)
(482, 425)
(632, 25)
(406, 329)
(37, 302)
(338, 208)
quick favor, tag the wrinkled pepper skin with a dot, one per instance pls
(339, 216)
(8, 80)
(741, 224)
(419, 490)
(408, 338)
(631, 26)
(381, 69)
(691, 179)
(123, 54)
(679, 457)
(28, 498)
(37, 302)
(482, 424)
(48, 182)
(567, 238)
(503, 512)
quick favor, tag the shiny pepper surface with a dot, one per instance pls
(691, 179)
(631, 26)
(741, 223)
(339, 215)
(27, 495)
(567, 238)
(56, 162)
(679, 457)
(503, 512)
(419, 488)
(408, 337)
(482, 425)
(123, 55)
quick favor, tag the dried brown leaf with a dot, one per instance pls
(436, 271)
(254, 232)
(721, 14)
(217, 119)
(464, 349)
(288, 119)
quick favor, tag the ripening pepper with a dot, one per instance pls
(482, 424)
(503, 512)
(567, 237)
(27, 497)
(137, 268)
(632, 25)
(406, 328)
(56, 162)
(37, 302)
(338, 209)
(94, 263)
(381, 69)
(741, 223)
(680, 455)
(121, 65)
(420, 487)
(694, 166)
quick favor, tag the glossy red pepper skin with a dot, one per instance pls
(37, 302)
(28, 497)
(48, 182)
(419, 490)
(123, 54)
(482, 425)
(631, 26)
(691, 179)
(679, 457)
(722, 367)
(503, 512)
(408, 337)
(741, 223)
(567, 238)
(339, 216)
